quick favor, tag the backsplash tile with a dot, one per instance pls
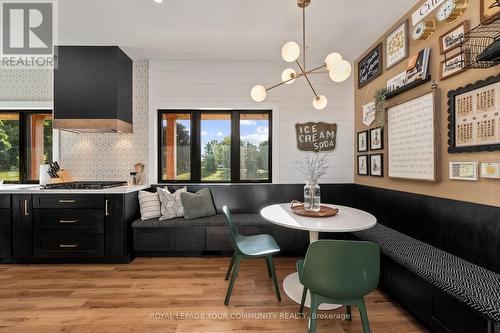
(111, 156)
(26, 85)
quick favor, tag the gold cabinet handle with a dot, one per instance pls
(107, 208)
(66, 201)
(68, 221)
(26, 208)
(68, 246)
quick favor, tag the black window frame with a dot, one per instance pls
(23, 135)
(195, 164)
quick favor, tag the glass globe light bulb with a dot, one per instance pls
(340, 71)
(288, 74)
(290, 51)
(258, 93)
(332, 59)
(320, 102)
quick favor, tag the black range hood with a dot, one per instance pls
(93, 89)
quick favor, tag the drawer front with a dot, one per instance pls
(83, 220)
(4, 201)
(69, 245)
(59, 201)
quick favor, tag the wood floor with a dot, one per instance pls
(167, 295)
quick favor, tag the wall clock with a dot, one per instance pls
(424, 30)
(451, 10)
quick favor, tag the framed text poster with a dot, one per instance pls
(413, 129)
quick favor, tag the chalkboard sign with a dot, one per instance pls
(370, 67)
(316, 137)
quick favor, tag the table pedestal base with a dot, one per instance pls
(293, 289)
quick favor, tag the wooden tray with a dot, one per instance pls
(298, 208)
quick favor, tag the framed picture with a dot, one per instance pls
(490, 170)
(362, 141)
(473, 117)
(451, 39)
(370, 67)
(464, 171)
(452, 66)
(377, 165)
(376, 138)
(363, 165)
(396, 46)
(488, 10)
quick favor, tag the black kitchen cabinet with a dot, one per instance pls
(22, 227)
(57, 228)
(93, 89)
(5, 228)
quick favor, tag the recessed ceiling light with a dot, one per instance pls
(158, 1)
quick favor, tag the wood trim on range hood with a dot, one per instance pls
(93, 125)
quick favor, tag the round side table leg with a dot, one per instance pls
(293, 288)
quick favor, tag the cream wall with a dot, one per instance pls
(223, 84)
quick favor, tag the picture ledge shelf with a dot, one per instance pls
(409, 86)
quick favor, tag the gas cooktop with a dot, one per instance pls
(83, 185)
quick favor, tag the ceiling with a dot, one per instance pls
(226, 29)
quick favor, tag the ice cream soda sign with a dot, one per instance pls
(316, 137)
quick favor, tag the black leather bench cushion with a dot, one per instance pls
(216, 220)
(477, 287)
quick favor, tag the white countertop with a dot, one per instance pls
(36, 189)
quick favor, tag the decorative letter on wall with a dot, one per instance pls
(316, 137)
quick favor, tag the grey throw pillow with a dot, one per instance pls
(199, 204)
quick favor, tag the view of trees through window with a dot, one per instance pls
(25, 143)
(206, 141)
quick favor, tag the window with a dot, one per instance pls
(25, 143)
(214, 146)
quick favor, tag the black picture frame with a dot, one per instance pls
(368, 62)
(366, 134)
(381, 130)
(367, 165)
(381, 165)
(452, 148)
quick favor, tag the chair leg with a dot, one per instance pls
(230, 267)
(269, 269)
(313, 314)
(233, 279)
(270, 263)
(348, 312)
(364, 316)
(303, 301)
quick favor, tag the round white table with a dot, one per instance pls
(347, 220)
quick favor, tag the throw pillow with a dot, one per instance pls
(150, 205)
(171, 204)
(199, 204)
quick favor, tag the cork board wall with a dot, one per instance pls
(485, 191)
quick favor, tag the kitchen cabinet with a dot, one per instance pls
(22, 227)
(5, 228)
(53, 228)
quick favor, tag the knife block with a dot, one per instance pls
(65, 176)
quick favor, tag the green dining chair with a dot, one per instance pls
(339, 272)
(258, 246)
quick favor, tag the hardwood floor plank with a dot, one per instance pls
(177, 295)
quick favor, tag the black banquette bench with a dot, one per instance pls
(209, 236)
(440, 257)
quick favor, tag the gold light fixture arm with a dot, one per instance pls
(305, 75)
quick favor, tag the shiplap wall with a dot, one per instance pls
(223, 84)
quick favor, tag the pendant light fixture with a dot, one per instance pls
(338, 69)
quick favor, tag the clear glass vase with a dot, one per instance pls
(312, 196)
